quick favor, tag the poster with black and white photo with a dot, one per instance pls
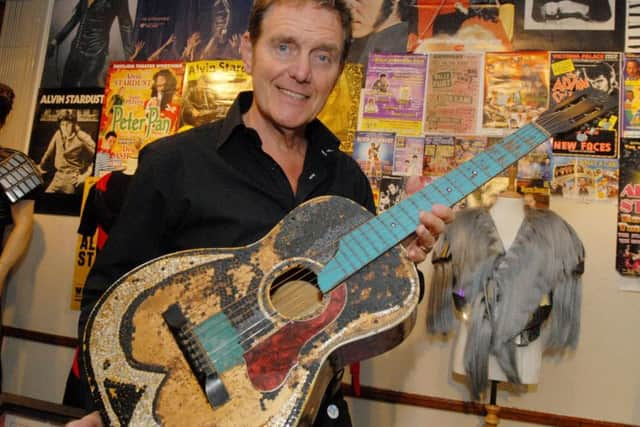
(570, 25)
(63, 145)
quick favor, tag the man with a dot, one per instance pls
(632, 69)
(379, 26)
(70, 152)
(381, 84)
(602, 76)
(268, 155)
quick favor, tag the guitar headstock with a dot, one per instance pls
(576, 110)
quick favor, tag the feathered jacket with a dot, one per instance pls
(504, 288)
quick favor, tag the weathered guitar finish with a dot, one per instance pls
(252, 336)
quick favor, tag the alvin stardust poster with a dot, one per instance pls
(573, 72)
(628, 241)
(63, 144)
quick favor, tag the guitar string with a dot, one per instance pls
(546, 122)
(244, 337)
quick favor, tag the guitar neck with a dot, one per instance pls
(373, 238)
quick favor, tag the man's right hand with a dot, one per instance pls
(91, 420)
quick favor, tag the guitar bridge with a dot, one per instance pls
(198, 360)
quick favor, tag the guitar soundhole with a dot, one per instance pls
(294, 293)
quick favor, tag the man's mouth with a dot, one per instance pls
(292, 94)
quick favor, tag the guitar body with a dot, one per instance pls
(256, 322)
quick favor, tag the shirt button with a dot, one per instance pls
(333, 411)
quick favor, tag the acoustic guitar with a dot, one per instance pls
(252, 335)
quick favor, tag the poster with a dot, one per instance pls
(586, 179)
(142, 104)
(439, 155)
(408, 155)
(515, 91)
(190, 30)
(628, 234)
(452, 25)
(572, 73)
(63, 145)
(572, 25)
(631, 96)
(453, 93)
(210, 87)
(393, 97)
(374, 152)
(84, 37)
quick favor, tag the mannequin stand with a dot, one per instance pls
(493, 411)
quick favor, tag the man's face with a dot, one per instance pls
(109, 142)
(365, 14)
(66, 127)
(294, 64)
(632, 69)
(600, 83)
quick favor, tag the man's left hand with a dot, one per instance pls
(431, 225)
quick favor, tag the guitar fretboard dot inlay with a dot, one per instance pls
(449, 190)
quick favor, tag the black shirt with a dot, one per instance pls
(213, 186)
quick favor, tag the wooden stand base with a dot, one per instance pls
(492, 418)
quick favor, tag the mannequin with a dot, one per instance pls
(494, 268)
(19, 183)
(507, 213)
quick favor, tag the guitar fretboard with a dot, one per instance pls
(373, 238)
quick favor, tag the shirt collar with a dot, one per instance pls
(318, 135)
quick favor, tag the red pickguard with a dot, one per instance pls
(270, 361)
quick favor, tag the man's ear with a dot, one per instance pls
(246, 51)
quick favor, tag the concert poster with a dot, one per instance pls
(340, 113)
(515, 90)
(190, 30)
(628, 233)
(573, 72)
(210, 87)
(393, 97)
(453, 93)
(408, 155)
(574, 25)
(78, 55)
(630, 103)
(439, 155)
(374, 152)
(142, 104)
(453, 26)
(63, 145)
(587, 179)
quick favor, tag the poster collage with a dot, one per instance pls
(427, 86)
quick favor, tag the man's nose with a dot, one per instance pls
(300, 69)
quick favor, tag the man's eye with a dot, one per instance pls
(283, 47)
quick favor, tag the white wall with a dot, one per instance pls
(601, 380)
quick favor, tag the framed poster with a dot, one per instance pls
(63, 145)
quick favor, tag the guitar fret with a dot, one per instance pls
(488, 164)
(474, 173)
(447, 189)
(503, 157)
(394, 224)
(346, 245)
(357, 237)
(463, 184)
(379, 237)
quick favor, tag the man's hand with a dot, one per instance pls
(431, 225)
(91, 420)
